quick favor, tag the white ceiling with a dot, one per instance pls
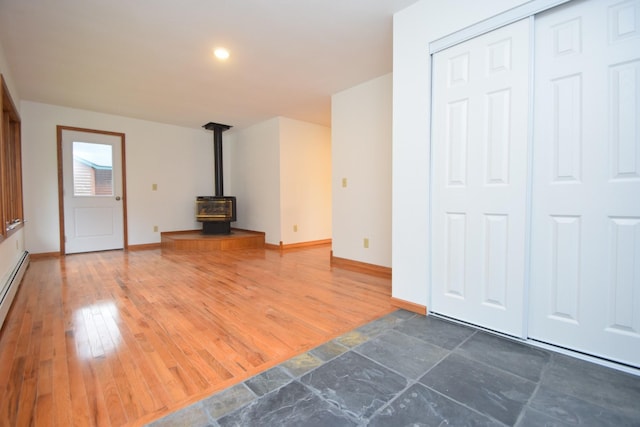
(152, 59)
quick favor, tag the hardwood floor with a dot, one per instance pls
(122, 338)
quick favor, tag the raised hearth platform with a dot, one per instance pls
(196, 241)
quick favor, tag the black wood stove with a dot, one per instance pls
(216, 212)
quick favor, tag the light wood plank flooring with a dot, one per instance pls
(123, 338)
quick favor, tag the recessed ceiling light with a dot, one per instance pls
(221, 53)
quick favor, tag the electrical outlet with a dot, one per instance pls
(366, 243)
(154, 187)
(295, 228)
(155, 228)
(344, 182)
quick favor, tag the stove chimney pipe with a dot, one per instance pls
(217, 129)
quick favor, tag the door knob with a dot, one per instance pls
(117, 197)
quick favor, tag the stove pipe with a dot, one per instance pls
(217, 129)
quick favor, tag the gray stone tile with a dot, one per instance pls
(352, 339)
(300, 365)
(355, 384)
(268, 381)
(291, 405)
(420, 406)
(596, 384)
(486, 389)
(436, 331)
(484, 381)
(409, 356)
(517, 358)
(228, 400)
(329, 350)
(532, 418)
(191, 416)
(403, 314)
(385, 323)
(565, 409)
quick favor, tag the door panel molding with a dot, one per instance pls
(61, 211)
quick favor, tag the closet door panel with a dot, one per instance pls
(480, 117)
(585, 254)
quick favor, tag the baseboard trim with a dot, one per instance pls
(44, 255)
(299, 245)
(144, 246)
(410, 306)
(180, 232)
(246, 230)
(362, 267)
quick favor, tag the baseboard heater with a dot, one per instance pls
(10, 287)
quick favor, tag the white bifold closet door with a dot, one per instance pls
(585, 244)
(479, 179)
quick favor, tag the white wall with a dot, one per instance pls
(305, 181)
(8, 78)
(361, 153)
(254, 177)
(280, 172)
(179, 160)
(414, 28)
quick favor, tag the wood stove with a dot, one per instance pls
(216, 212)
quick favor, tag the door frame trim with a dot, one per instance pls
(59, 130)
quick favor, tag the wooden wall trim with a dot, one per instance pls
(179, 232)
(60, 190)
(362, 267)
(410, 306)
(299, 245)
(144, 246)
(44, 255)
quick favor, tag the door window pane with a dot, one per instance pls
(92, 169)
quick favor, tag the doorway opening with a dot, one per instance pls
(91, 190)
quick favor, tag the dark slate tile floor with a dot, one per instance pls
(410, 370)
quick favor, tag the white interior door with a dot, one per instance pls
(479, 179)
(585, 256)
(92, 180)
